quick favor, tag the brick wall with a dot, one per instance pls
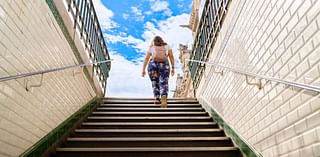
(31, 40)
(279, 39)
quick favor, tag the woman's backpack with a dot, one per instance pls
(159, 53)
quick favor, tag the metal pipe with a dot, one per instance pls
(12, 77)
(289, 83)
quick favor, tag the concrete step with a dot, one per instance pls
(149, 119)
(149, 101)
(133, 109)
(149, 142)
(146, 125)
(148, 132)
(150, 152)
(150, 105)
(137, 99)
(149, 114)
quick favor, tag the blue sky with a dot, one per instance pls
(128, 27)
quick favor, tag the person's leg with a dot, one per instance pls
(154, 77)
(164, 71)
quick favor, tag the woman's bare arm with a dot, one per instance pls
(171, 58)
(146, 60)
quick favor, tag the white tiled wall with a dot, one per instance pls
(31, 40)
(277, 38)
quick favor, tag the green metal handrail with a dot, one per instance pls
(207, 32)
(86, 21)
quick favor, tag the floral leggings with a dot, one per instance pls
(159, 76)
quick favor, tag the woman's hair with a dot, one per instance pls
(158, 41)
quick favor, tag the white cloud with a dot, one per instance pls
(167, 12)
(123, 38)
(148, 12)
(104, 15)
(169, 30)
(125, 16)
(137, 13)
(125, 79)
(158, 6)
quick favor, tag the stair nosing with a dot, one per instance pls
(83, 139)
(149, 149)
(149, 130)
(110, 108)
(149, 112)
(144, 98)
(146, 118)
(124, 104)
(148, 123)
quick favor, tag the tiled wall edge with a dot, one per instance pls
(56, 134)
(243, 145)
(63, 28)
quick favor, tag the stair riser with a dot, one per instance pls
(149, 134)
(150, 106)
(216, 143)
(149, 102)
(149, 115)
(148, 126)
(146, 110)
(149, 120)
(151, 154)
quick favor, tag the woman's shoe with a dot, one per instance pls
(164, 101)
(157, 101)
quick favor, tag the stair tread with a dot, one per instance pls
(148, 130)
(148, 123)
(148, 105)
(149, 149)
(148, 139)
(171, 117)
(151, 99)
(149, 113)
(122, 98)
(107, 108)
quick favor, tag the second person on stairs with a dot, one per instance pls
(157, 57)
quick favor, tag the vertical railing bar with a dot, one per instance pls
(85, 19)
(82, 12)
(75, 18)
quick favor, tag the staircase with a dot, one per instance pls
(139, 128)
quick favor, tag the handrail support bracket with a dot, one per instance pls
(29, 87)
(258, 84)
(218, 72)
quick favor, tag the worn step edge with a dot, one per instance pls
(149, 102)
(146, 118)
(107, 108)
(126, 98)
(143, 113)
(148, 130)
(143, 100)
(147, 123)
(148, 149)
(149, 139)
(147, 105)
